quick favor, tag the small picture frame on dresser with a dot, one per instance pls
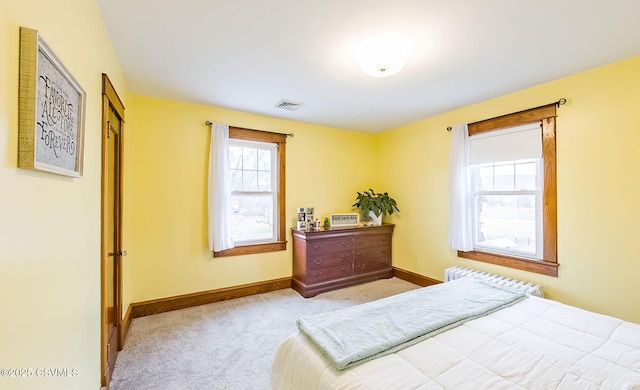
(305, 214)
(345, 220)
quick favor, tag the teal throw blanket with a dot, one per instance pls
(360, 333)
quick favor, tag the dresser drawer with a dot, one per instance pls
(329, 273)
(366, 241)
(333, 245)
(372, 259)
(375, 252)
(330, 260)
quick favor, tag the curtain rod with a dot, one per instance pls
(209, 123)
(559, 103)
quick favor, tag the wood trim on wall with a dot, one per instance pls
(414, 278)
(517, 118)
(112, 95)
(126, 324)
(550, 210)
(538, 266)
(110, 99)
(257, 135)
(155, 306)
(251, 249)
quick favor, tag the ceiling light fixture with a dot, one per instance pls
(383, 56)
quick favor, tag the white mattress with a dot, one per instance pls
(534, 344)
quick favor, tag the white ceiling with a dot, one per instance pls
(247, 55)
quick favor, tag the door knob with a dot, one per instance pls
(122, 253)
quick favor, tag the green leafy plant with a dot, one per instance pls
(379, 203)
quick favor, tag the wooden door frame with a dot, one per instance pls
(110, 99)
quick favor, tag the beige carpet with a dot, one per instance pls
(226, 345)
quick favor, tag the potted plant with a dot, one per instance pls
(375, 205)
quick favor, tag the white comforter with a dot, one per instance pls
(534, 344)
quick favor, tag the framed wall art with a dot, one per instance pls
(51, 109)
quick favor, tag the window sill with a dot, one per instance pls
(538, 266)
(251, 249)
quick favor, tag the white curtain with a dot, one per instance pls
(460, 229)
(219, 189)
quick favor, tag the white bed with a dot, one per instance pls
(533, 344)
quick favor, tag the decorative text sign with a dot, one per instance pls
(51, 110)
(345, 220)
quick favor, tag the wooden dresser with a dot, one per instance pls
(325, 260)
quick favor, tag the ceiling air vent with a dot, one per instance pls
(288, 105)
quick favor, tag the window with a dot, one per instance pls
(254, 191)
(513, 179)
(506, 191)
(257, 169)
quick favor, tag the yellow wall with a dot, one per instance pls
(168, 175)
(598, 162)
(49, 224)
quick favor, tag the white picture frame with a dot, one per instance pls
(51, 110)
(304, 218)
(344, 220)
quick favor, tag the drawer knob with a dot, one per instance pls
(360, 254)
(317, 274)
(346, 269)
(359, 242)
(317, 261)
(316, 247)
(346, 244)
(361, 266)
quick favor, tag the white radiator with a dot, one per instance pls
(461, 272)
